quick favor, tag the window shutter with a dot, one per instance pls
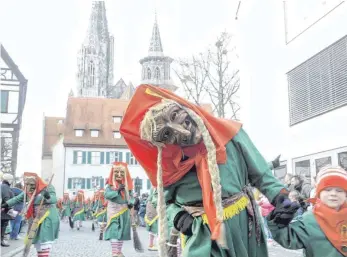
(89, 157)
(88, 183)
(102, 183)
(84, 157)
(102, 158)
(69, 183)
(120, 154)
(74, 157)
(83, 184)
(107, 157)
(148, 184)
(128, 158)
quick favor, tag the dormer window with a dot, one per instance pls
(79, 132)
(94, 133)
(116, 134)
(117, 119)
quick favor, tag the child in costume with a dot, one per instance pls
(151, 218)
(100, 213)
(118, 193)
(78, 214)
(66, 212)
(202, 167)
(34, 190)
(322, 232)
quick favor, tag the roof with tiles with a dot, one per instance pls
(52, 130)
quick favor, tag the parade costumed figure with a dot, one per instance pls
(151, 218)
(100, 211)
(118, 193)
(35, 189)
(66, 212)
(322, 231)
(204, 165)
(78, 213)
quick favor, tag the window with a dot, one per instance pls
(117, 119)
(157, 73)
(343, 160)
(79, 157)
(94, 133)
(60, 122)
(116, 134)
(319, 84)
(79, 132)
(321, 162)
(302, 168)
(95, 158)
(4, 101)
(76, 183)
(149, 75)
(115, 157)
(91, 71)
(280, 172)
(130, 159)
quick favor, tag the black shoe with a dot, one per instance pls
(101, 236)
(4, 243)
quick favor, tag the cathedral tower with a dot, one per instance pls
(156, 66)
(95, 59)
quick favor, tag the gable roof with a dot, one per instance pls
(52, 129)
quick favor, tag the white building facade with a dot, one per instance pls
(294, 81)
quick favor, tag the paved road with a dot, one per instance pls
(85, 243)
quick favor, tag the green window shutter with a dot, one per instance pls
(102, 158)
(102, 182)
(83, 184)
(148, 184)
(128, 158)
(4, 101)
(107, 157)
(88, 183)
(84, 157)
(120, 154)
(89, 157)
(141, 183)
(69, 183)
(74, 157)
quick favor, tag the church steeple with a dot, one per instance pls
(155, 46)
(156, 66)
(95, 59)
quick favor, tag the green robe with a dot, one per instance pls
(101, 214)
(48, 230)
(244, 165)
(120, 226)
(304, 234)
(66, 212)
(152, 225)
(79, 211)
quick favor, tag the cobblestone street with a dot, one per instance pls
(85, 243)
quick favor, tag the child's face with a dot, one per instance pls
(333, 197)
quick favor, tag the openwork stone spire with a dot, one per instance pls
(155, 46)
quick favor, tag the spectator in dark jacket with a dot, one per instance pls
(6, 194)
(16, 223)
(299, 184)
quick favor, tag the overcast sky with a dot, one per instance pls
(43, 38)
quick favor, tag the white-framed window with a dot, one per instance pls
(60, 122)
(94, 133)
(132, 160)
(117, 119)
(115, 157)
(95, 157)
(79, 157)
(116, 134)
(303, 168)
(79, 132)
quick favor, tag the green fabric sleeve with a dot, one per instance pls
(294, 236)
(270, 165)
(18, 199)
(111, 195)
(131, 195)
(171, 207)
(259, 174)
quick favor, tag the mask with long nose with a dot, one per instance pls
(174, 126)
(118, 173)
(30, 184)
